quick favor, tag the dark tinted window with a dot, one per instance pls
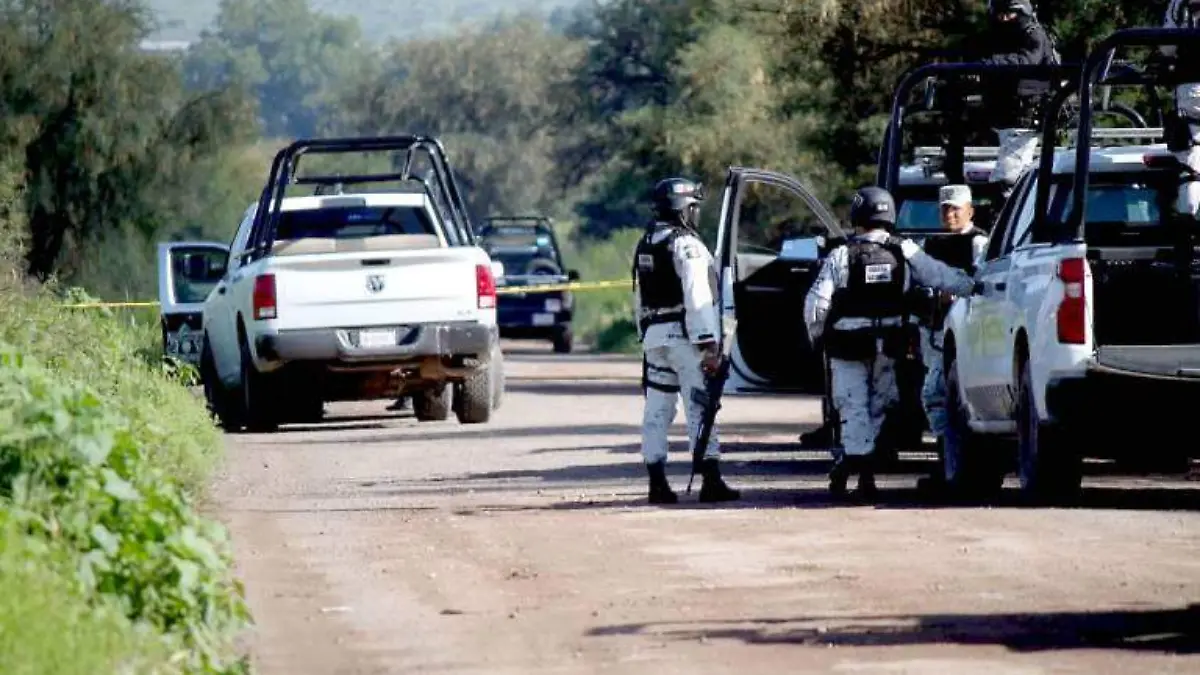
(1127, 199)
(919, 215)
(354, 222)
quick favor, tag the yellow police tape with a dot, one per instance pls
(502, 290)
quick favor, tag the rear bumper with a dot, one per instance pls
(1105, 403)
(340, 345)
(531, 322)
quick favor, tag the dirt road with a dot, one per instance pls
(373, 544)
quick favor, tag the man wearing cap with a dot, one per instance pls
(961, 248)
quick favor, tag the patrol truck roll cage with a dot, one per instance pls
(445, 194)
(1101, 69)
(929, 75)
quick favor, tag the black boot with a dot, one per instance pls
(714, 489)
(660, 489)
(866, 478)
(817, 439)
(839, 475)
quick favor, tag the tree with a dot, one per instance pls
(292, 58)
(488, 93)
(99, 127)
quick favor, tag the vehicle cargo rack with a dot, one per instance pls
(1098, 71)
(459, 230)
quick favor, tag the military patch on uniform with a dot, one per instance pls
(691, 251)
(878, 273)
(645, 261)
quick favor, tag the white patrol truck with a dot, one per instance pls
(360, 295)
(1083, 335)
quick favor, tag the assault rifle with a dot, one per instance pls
(709, 398)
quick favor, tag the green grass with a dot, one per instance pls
(604, 318)
(48, 626)
(106, 564)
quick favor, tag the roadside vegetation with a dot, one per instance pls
(107, 564)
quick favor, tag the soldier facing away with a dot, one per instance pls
(859, 304)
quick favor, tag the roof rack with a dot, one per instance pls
(283, 172)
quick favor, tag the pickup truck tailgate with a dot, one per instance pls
(1171, 361)
(376, 288)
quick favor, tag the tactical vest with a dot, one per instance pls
(956, 250)
(660, 290)
(874, 290)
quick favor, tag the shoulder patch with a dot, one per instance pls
(690, 248)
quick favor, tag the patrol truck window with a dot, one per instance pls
(917, 215)
(522, 249)
(769, 217)
(354, 222)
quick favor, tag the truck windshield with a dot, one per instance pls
(920, 215)
(355, 222)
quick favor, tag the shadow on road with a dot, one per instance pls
(1171, 631)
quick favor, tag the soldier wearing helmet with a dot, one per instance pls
(674, 289)
(858, 307)
(1015, 37)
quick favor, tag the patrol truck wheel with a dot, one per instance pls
(433, 405)
(972, 468)
(563, 340)
(474, 399)
(1050, 469)
(257, 401)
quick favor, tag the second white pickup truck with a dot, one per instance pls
(350, 296)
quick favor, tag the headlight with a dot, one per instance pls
(553, 305)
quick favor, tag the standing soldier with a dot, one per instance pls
(1015, 38)
(674, 289)
(858, 303)
(1185, 141)
(961, 249)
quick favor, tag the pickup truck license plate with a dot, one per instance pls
(375, 339)
(543, 319)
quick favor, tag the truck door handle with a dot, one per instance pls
(1001, 285)
(220, 290)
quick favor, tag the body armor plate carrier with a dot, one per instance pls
(874, 290)
(956, 250)
(660, 290)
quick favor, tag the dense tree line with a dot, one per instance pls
(574, 117)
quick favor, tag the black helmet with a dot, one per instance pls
(873, 207)
(677, 196)
(995, 7)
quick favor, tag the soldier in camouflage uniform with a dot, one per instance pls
(859, 305)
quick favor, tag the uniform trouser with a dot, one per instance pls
(1014, 154)
(1187, 103)
(672, 371)
(933, 391)
(863, 391)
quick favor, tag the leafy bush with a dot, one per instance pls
(603, 318)
(74, 475)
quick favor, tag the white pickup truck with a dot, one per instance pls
(351, 296)
(1082, 335)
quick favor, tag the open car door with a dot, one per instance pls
(773, 235)
(187, 272)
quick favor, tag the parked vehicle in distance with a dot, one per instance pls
(373, 293)
(529, 251)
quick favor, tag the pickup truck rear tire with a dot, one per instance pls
(257, 402)
(221, 403)
(972, 466)
(563, 340)
(433, 404)
(475, 398)
(1050, 468)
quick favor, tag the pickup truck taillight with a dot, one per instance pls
(485, 286)
(263, 302)
(1072, 311)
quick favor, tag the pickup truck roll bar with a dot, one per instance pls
(285, 163)
(888, 172)
(1098, 71)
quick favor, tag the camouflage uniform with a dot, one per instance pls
(1186, 14)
